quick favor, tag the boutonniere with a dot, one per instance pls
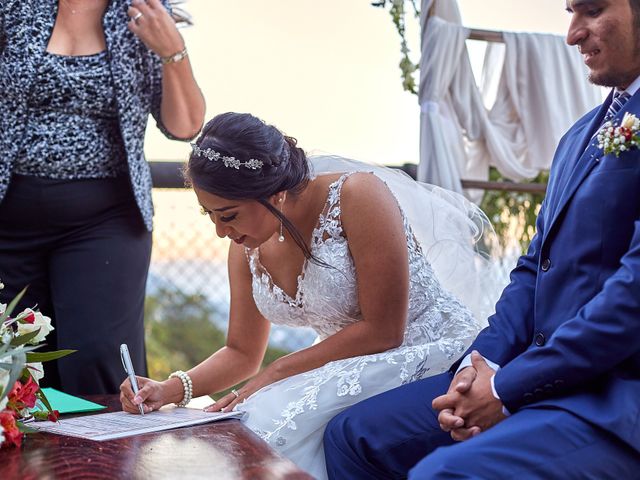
(617, 139)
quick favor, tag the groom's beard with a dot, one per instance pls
(617, 77)
(612, 81)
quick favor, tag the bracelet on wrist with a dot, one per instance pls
(187, 387)
(176, 57)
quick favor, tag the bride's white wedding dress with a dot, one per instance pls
(291, 414)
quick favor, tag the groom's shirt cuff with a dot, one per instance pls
(505, 412)
(466, 362)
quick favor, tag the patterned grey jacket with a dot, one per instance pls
(25, 29)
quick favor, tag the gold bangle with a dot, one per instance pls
(176, 57)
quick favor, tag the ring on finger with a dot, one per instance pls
(137, 17)
(235, 392)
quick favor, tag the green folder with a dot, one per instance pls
(65, 403)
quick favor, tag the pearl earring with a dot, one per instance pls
(281, 237)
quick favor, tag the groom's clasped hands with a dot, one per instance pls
(469, 406)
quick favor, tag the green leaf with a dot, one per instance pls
(47, 356)
(15, 371)
(22, 349)
(12, 305)
(22, 339)
(40, 415)
(43, 398)
(25, 429)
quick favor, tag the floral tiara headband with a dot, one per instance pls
(230, 162)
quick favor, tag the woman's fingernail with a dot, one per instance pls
(137, 399)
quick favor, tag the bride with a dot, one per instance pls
(327, 245)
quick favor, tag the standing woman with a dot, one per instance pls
(78, 80)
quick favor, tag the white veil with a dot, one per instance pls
(456, 236)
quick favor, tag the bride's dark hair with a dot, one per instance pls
(245, 137)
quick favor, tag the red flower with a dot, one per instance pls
(29, 318)
(53, 416)
(12, 436)
(627, 133)
(23, 395)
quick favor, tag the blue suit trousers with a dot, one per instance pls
(396, 435)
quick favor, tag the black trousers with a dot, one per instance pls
(83, 250)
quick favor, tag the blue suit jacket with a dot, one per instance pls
(566, 331)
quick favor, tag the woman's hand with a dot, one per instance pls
(152, 24)
(182, 106)
(151, 395)
(229, 401)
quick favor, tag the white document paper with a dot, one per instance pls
(108, 426)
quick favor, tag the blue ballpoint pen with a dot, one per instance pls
(128, 368)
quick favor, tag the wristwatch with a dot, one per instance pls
(176, 57)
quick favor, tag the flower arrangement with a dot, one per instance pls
(21, 370)
(618, 139)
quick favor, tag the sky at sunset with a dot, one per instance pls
(325, 71)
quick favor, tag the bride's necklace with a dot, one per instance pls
(95, 5)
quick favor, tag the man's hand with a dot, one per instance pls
(469, 407)
(479, 408)
(448, 420)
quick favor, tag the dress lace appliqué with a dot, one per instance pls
(291, 414)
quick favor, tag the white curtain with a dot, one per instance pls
(540, 85)
(444, 54)
(544, 90)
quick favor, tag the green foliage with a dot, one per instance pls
(180, 332)
(513, 214)
(398, 14)
(12, 305)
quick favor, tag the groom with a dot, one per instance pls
(552, 386)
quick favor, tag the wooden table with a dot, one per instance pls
(224, 450)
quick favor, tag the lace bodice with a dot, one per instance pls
(327, 298)
(292, 413)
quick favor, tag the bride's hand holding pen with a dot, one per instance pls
(151, 394)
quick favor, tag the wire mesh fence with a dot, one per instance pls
(189, 258)
(187, 255)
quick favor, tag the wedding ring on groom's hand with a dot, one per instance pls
(235, 392)
(137, 17)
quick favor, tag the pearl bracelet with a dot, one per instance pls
(187, 386)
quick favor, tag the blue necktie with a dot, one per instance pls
(619, 99)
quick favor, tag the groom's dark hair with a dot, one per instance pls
(245, 137)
